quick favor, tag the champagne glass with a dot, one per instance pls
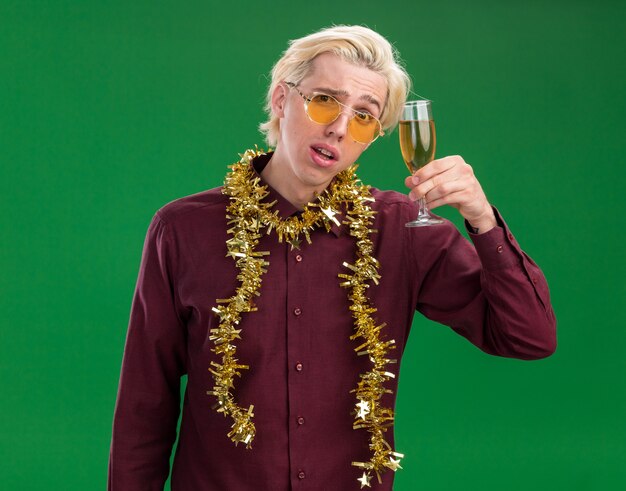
(417, 143)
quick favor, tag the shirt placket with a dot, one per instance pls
(299, 361)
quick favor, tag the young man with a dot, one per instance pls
(266, 293)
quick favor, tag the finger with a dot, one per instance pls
(442, 182)
(437, 167)
(453, 199)
(409, 182)
(447, 187)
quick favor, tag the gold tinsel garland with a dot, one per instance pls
(248, 217)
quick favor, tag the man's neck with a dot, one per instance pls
(279, 180)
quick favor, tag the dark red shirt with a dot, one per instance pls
(302, 362)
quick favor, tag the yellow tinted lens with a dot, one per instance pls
(363, 127)
(323, 109)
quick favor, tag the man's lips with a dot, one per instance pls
(324, 154)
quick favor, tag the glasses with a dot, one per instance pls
(325, 109)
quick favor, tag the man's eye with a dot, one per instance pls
(363, 117)
(324, 98)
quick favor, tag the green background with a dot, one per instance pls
(110, 109)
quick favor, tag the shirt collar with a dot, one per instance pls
(285, 208)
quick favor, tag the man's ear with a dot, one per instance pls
(279, 97)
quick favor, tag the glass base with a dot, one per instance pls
(426, 221)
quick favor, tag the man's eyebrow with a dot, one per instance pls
(372, 99)
(342, 93)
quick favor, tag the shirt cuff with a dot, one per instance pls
(495, 248)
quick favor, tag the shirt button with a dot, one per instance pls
(300, 420)
(510, 236)
(299, 258)
(297, 311)
(534, 278)
(499, 249)
(301, 475)
(299, 366)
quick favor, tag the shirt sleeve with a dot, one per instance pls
(491, 293)
(148, 400)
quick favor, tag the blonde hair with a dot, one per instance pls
(355, 44)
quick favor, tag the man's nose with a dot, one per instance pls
(339, 127)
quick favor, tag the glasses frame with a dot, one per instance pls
(307, 100)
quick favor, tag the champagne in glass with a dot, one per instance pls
(417, 143)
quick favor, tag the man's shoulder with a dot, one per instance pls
(391, 207)
(395, 209)
(203, 205)
(392, 200)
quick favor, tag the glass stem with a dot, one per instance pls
(423, 214)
